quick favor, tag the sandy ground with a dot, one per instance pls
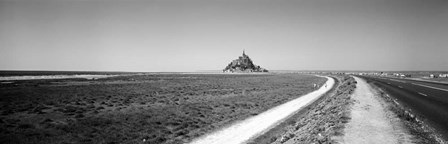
(371, 122)
(243, 131)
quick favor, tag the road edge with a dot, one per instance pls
(413, 122)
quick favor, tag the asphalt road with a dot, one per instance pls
(427, 99)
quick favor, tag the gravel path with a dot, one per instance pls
(371, 123)
(243, 131)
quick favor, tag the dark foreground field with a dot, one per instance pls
(167, 108)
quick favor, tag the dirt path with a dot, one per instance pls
(243, 131)
(371, 122)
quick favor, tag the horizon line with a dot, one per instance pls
(115, 71)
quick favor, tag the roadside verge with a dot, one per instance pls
(414, 123)
(371, 121)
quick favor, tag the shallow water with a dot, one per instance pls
(53, 77)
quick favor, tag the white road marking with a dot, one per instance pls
(388, 83)
(243, 131)
(430, 87)
(400, 87)
(397, 80)
(422, 94)
(396, 102)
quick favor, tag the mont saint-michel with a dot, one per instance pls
(243, 64)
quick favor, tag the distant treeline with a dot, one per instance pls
(33, 73)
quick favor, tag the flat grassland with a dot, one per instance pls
(151, 108)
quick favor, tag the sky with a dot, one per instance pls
(192, 35)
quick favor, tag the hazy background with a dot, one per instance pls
(190, 35)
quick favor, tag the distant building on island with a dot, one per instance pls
(243, 64)
(443, 75)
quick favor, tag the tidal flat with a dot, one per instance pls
(144, 108)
